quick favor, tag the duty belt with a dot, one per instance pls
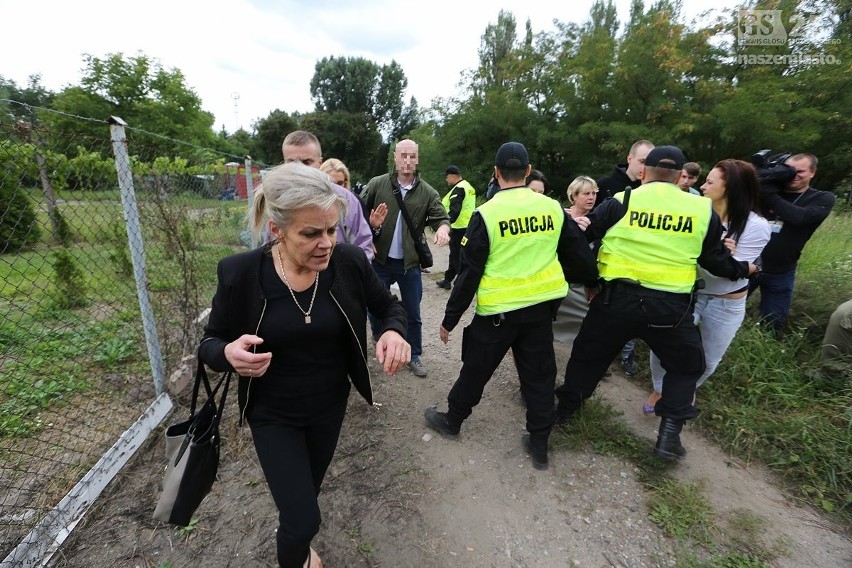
(634, 288)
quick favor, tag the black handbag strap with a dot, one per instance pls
(201, 378)
(398, 194)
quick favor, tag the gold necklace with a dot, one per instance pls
(307, 314)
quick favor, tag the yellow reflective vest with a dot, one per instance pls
(522, 267)
(468, 205)
(659, 239)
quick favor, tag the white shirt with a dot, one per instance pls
(749, 246)
(396, 250)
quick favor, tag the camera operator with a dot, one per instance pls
(794, 210)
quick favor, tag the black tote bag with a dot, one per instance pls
(192, 451)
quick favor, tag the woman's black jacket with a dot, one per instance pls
(239, 305)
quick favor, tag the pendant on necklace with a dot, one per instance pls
(307, 319)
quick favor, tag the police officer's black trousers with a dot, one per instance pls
(454, 264)
(484, 345)
(663, 321)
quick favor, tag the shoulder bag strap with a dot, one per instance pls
(398, 194)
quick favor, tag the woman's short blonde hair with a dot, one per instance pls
(335, 165)
(579, 185)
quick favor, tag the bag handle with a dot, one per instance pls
(218, 409)
(201, 378)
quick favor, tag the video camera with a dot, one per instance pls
(772, 171)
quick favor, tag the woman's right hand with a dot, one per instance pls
(244, 362)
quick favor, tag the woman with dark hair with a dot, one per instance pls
(733, 188)
(537, 182)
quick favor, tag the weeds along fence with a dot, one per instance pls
(108, 248)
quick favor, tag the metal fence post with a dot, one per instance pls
(250, 195)
(137, 249)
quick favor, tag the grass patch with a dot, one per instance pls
(680, 509)
(48, 360)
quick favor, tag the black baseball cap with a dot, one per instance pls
(668, 157)
(512, 156)
(452, 170)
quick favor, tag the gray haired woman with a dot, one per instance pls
(290, 318)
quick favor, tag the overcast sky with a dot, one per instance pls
(264, 51)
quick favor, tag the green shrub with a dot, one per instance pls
(70, 284)
(61, 228)
(18, 228)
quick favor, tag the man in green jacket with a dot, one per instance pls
(396, 258)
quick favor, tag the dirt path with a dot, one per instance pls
(399, 496)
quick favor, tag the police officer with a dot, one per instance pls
(651, 244)
(460, 201)
(519, 250)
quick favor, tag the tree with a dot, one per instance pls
(357, 85)
(497, 42)
(350, 137)
(30, 98)
(270, 133)
(144, 94)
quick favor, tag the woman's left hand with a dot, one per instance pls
(731, 244)
(392, 351)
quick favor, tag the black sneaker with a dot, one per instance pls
(628, 366)
(438, 421)
(537, 452)
(443, 284)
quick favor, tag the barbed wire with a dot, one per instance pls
(163, 137)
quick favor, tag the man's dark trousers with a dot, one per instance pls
(663, 320)
(484, 344)
(454, 265)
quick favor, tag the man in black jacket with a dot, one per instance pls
(794, 214)
(625, 174)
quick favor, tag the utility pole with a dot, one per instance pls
(236, 96)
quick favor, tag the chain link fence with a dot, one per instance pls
(108, 248)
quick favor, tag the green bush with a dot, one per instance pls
(70, 285)
(62, 230)
(18, 228)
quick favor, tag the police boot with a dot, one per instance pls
(536, 447)
(668, 440)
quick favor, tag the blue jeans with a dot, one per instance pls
(719, 320)
(776, 297)
(411, 289)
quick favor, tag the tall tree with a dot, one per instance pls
(270, 133)
(350, 137)
(357, 85)
(28, 99)
(144, 94)
(497, 43)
